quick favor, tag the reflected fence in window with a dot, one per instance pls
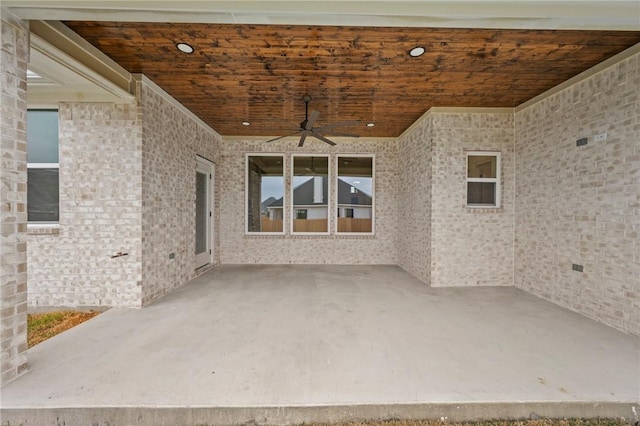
(348, 224)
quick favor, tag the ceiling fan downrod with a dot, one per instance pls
(306, 98)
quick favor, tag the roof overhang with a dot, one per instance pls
(530, 14)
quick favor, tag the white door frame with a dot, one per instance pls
(205, 166)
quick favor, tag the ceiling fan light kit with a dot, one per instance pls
(306, 127)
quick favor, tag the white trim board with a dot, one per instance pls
(143, 79)
(524, 14)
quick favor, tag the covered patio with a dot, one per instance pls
(291, 344)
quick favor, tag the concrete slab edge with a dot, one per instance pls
(293, 415)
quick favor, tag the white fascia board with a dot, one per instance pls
(530, 14)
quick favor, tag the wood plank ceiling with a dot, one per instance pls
(259, 73)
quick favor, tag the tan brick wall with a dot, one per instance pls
(441, 241)
(100, 147)
(127, 184)
(470, 247)
(170, 142)
(238, 248)
(414, 201)
(14, 55)
(582, 204)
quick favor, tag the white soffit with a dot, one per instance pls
(528, 14)
(64, 79)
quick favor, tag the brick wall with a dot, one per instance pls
(127, 185)
(14, 55)
(469, 246)
(441, 241)
(100, 147)
(171, 140)
(581, 205)
(414, 201)
(236, 247)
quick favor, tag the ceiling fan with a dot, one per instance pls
(306, 127)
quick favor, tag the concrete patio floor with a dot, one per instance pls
(287, 344)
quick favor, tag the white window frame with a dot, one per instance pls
(329, 203)
(373, 188)
(246, 191)
(495, 180)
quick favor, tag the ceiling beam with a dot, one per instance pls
(528, 14)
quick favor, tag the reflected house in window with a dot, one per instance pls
(309, 200)
(311, 197)
(264, 208)
(353, 202)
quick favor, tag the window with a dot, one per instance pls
(301, 214)
(483, 179)
(310, 193)
(265, 193)
(355, 194)
(43, 193)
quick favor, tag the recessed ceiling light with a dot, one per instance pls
(184, 48)
(371, 124)
(417, 51)
(246, 123)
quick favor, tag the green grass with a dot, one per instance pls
(41, 327)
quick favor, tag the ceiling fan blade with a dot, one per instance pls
(314, 116)
(281, 137)
(303, 137)
(338, 124)
(323, 139)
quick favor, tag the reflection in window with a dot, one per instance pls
(265, 193)
(483, 179)
(43, 193)
(355, 194)
(202, 211)
(310, 188)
